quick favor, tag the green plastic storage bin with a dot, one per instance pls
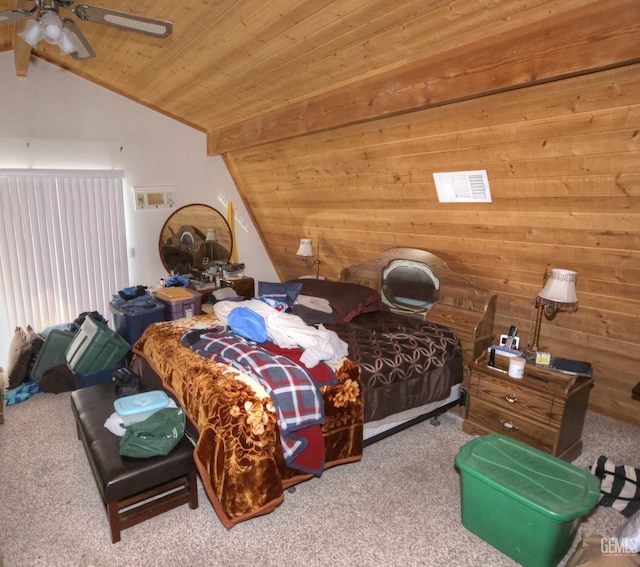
(95, 347)
(524, 502)
(52, 352)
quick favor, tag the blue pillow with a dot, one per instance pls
(248, 324)
(283, 292)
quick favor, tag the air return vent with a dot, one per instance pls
(463, 187)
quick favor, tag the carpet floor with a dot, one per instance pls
(399, 506)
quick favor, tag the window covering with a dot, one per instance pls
(62, 246)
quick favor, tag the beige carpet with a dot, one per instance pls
(400, 506)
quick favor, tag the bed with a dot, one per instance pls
(399, 369)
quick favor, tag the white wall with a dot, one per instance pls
(53, 119)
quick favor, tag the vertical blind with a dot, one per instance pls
(62, 246)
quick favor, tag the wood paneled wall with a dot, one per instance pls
(563, 161)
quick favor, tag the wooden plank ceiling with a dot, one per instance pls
(247, 71)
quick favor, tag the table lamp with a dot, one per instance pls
(558, 294)
(305, 251)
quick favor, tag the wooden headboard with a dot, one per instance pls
(462, 306)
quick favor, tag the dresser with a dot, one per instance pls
(544, 409)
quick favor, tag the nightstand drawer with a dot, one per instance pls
(486, 418)
(510, 395)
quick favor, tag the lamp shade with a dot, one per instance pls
(306, 248)
(32, 33)
(66, 43)
(51, 27)
(560, 288)
(211, 235)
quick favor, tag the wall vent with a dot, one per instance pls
(463, 187)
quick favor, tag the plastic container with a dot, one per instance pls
(524, 502)
(132, 409)
(95, 347)
(95, 378)
(179, 302)
(52, 352)
(131, 319)
(516, 367)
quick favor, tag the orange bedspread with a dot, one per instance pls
(238, 453)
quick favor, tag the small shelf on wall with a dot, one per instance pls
(150, 198)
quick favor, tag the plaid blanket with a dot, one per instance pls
(298, 402)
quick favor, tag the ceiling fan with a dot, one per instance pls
(58, 30)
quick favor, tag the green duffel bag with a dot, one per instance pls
(155, 436)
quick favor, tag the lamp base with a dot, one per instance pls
(529, 355)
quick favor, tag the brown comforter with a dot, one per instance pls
(238, 452)
(404, 362)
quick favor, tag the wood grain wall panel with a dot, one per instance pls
(584, 38)
(563, 161)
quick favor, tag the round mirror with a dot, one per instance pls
(194, 238)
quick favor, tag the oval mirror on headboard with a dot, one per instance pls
(193, 238)
(409, 285)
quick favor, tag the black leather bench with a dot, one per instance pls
(133, 490)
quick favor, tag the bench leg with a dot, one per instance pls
(139, 507)
(113, 511)
(192, 484)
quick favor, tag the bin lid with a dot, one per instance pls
(175, 293)
(147, 306)
(138, 403)
(543, 482)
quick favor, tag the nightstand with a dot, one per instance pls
(544, 409)
(244, 287)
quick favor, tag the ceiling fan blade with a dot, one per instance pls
(123, 20)
(83, 48)
(14, 15)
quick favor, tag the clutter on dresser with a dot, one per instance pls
(233, 271)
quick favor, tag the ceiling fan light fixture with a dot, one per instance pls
(32, 33)
(66, 43)
(51, 27)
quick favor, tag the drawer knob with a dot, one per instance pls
(508, 426)
(511, 398)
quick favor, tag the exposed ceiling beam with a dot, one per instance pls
(604, 34)
(21, 54)
(21, 49)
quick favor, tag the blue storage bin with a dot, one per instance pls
(131, 318)
(95, 378)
